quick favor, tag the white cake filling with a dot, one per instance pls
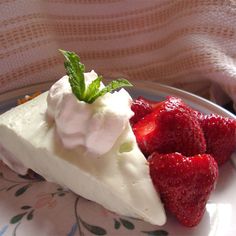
(118, 179)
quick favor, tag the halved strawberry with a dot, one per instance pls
(146, 133)
(184, 183)
(171, 127)
(220, 135)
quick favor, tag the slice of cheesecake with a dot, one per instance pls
(119, 179)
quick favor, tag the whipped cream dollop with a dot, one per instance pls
(94, 126)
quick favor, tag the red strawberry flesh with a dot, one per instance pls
(145, 132)
(184, 183)
(174, 129)
(152, 103)
(220, 135)
(140, 108)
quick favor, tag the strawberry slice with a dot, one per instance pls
(220, 135)
(171, 127)
(184, 183)
(146, 133)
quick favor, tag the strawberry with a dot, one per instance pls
(146, 133)
(171, 127)
(141, 108)
(184, 183)
(152, 103)
(220, 135)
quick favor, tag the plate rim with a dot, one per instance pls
(146, 86)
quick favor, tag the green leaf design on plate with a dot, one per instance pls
(94, 229)
(156, 233)
(30, 215)
(27, 177)
(17, 218)
(26, 207)
(127, 224)
(11, 187)
(116, 224)
(21, 190)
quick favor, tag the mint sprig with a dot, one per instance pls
(75, 70)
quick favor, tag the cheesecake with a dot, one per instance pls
(89, 148)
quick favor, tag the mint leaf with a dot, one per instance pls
(93, 88)
(115, 84)
(75, 70)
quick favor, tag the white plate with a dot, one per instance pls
(34, 207)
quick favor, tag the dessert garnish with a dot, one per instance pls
(170, 127)
(185, 183)
(220, 135)
(75, 70)
(140, 108)
(184, 148)
(84, 109)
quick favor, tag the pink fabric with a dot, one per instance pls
(189, 44)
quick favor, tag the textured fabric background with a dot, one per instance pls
(189, 44)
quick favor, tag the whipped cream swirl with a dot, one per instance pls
(94, 126)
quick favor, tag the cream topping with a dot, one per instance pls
(94, 126)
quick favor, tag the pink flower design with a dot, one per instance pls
(106, 213)
(45, 200)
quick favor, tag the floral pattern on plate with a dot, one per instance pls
(35, 201)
